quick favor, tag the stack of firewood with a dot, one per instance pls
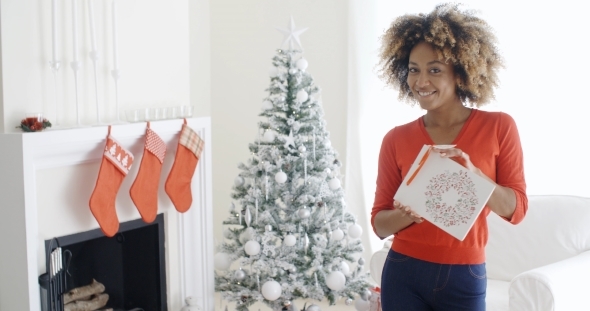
(86, 298)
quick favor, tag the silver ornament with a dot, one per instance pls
(301, 64)
(366, 294)
(281, 177)
(305, 243)
(269, 136)
(301, 96)
(293, 269)
(303, 212)
(313, 308)
(289, 240)
(248, 217)
(361, 261)
(302, 148)
(334, 184)
(267, 105)
(287, 303)
(268, 228)
(348, 301)
(239, 274)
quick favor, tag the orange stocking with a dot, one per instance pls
(115, 165)
(178, 183)
(144, 191)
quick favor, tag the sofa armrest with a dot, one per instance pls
(559, 286)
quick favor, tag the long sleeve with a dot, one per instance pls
(510, 167)
(389, 177)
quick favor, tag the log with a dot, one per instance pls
(84, 292)
(97, 302)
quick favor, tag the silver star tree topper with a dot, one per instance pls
(292, 34)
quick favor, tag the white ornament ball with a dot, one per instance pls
(334, 183)
(240, 274)
(337, 235)
(290, 240)
(328, 171)
(252, 248)
(269, 136)
(281, 177)
(336, 280)
(303, 212)
(348, 301)
(362, 305)
(302, 96)
(293, 71)
(267, 105)
(366, 294)
(222, 261)
(239, 181)
(355, 231)
(273, 72)
(313, 308)
(302, 148)
(271, 290)
(301, 64)
(344, 267)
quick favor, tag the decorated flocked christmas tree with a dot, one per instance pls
(290, 237)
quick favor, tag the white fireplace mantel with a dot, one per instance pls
(26, 158)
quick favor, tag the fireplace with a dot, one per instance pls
(130, 265)
(47, 179)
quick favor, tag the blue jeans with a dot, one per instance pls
(409, 284)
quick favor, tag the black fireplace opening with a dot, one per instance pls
(131, 265)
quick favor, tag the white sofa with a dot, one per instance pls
(541, 264)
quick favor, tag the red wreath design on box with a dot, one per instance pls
(463, 209)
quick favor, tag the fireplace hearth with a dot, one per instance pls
(130, 265)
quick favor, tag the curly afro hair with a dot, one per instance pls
(457, 36)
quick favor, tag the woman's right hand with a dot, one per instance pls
(408, 212)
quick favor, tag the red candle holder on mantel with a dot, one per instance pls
(34, 122)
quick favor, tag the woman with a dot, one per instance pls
(446, 61)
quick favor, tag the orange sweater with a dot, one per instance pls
(491, 140)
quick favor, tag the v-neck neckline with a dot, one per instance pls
(463, 128)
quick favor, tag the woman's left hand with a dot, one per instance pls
(458, 156)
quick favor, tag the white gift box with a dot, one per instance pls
(444, 193)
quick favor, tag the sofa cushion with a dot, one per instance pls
(556, 227)
(559, 286)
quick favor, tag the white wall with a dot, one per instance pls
(243, 42)
(200, 56)
(153, 56)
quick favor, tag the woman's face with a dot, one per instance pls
(431, 80)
